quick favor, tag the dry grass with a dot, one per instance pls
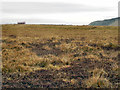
(29, 48)
(98, 79)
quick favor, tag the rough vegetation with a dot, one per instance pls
(50, 56)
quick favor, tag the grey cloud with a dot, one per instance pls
(39, 7)
(29, 21)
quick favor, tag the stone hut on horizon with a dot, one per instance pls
(20, 22)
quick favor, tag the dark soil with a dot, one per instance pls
(51, 78)
(78, 69)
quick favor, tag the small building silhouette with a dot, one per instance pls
(21, 23)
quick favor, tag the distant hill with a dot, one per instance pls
(107, 22)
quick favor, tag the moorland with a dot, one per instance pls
(60, 56)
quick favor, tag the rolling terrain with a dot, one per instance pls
(58, 56)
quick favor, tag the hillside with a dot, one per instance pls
(107, 22)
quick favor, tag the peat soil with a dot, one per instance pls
(54, 78)
(78, 70)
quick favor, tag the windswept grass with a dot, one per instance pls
(75, 56)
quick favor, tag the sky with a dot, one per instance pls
(75, 12)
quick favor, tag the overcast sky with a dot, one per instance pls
(76, 12)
